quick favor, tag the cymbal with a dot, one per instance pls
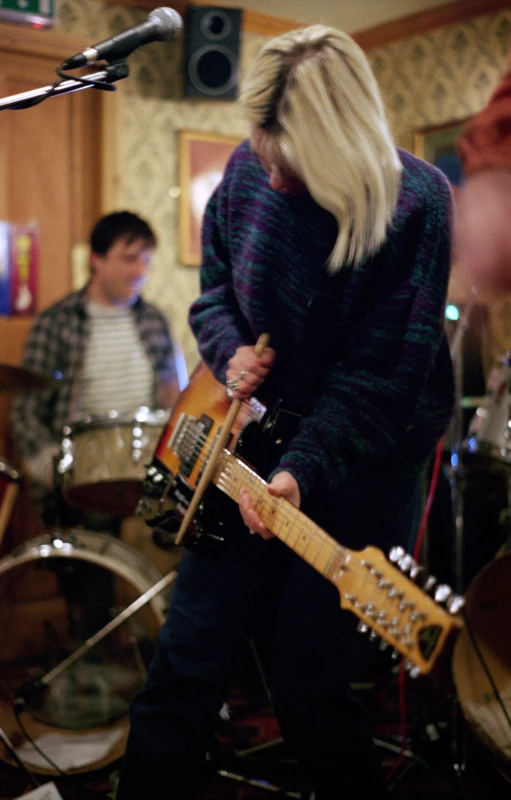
(22, 379)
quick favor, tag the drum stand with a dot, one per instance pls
(29, 688)
(456, 481)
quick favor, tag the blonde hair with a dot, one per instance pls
(313, 92)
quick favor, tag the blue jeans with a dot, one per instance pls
(317, 652)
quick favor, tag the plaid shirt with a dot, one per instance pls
(56, 346)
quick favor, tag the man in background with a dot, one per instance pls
(110, 348)
(483, 233)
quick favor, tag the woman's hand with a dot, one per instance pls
(246, 371)
(282, 485)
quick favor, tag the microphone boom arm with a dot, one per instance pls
(112, 73)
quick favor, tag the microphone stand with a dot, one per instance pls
(113, 72)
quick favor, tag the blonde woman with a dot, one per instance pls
(318, 207)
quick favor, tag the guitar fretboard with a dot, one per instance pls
(285, 521)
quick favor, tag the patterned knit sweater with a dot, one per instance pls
(387, 396)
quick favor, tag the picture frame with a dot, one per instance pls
(437, 144)
(202, 160)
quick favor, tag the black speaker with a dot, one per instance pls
(212, 45)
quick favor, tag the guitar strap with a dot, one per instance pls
(315, 352)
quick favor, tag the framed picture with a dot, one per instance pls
(438, 146)
(202, 160)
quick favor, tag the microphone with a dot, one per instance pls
(162, 24)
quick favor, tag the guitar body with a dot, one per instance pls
(198, 416)
(181, 455)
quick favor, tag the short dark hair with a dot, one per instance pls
(120, 225)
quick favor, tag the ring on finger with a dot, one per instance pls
(243, 374)
(234, 385)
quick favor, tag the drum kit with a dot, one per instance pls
(80, 610)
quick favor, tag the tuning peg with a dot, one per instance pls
(455, 603)
(362, 627)
(373, 636)
(396, 553)
(429, 583)
(406, 563)
(442, 593)
(383, 645)
(418, 575)
(412, 669)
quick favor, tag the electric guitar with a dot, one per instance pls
(386, 600)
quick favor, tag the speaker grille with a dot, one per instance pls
(212, 43)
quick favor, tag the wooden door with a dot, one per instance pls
(49, 172)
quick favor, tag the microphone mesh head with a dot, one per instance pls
(170, 23)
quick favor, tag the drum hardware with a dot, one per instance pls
(489, 432)
(23, 379)
(488, 436)
(77, 689)
(28, 689)
(482, 661)
(10, 483)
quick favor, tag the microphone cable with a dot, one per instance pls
(118, 69)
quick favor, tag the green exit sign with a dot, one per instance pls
(37, 13)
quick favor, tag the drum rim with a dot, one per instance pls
(34, 550)
(143, 415)
(7, 469)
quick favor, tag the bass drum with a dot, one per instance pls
(482, 661)
(55, 593)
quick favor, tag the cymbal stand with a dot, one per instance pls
(456, 475)
(456, 481)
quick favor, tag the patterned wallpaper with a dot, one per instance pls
(431, 79)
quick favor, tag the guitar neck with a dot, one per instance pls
(384, 599)
(285, 521)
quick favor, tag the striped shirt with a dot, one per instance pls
(117, 373)
(57, 344)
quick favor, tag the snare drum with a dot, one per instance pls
(46, 606)
(103, 460)
(489, 432)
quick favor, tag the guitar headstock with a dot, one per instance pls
(393, 607)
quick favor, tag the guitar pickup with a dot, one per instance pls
(188, 440)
